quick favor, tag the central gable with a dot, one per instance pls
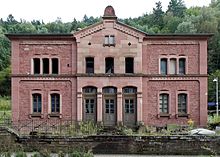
(108, 24)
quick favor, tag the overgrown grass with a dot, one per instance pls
(5, 103)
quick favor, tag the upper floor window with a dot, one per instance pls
(36, 65)
(46, 66)
(163, 66)
(182, 66)
(109, 90)
(89, 65)
(130, 90)
(55, 103)
(55, 65)
(182, 103)
(109, 65)
(164, 103)
(172, 68)
(109, 40)
(37, 103)
(129, 65)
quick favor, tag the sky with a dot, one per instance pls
(67, 10)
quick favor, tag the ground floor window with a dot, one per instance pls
(164, 102)
(55, 103)
(182, 103)
(37, 103)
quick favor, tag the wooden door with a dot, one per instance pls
(109, 111)
(90, 109)
(130, 111)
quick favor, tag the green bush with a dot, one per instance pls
(20, 154)
(76, 153)
(5, 103)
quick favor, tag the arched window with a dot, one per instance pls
(110, 90)
(182, 103)
(89, 89)
(131, 90)
(36, 103)
(55, 102)
(89, 103)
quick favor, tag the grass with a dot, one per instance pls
(5, 103)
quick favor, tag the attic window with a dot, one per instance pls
(109, 40)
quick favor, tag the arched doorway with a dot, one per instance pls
(109, 106)
(129, 106)
(89, 103)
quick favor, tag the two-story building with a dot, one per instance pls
(110, 73)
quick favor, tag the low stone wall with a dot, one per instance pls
(158, 145)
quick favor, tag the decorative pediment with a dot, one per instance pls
(88, 31)
(129, 30)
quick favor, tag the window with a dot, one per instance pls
(36, 64)
(46, 66)
(109, 40)
(110, 90)
(55, 65)
(89, 90)
(129, 105)
(109, 65)
(172, 69)
(164, 102)
(89, 103)
(55, 103)
(182, 103)
(37, 103)
(129, 90)
(182, 66)
(129, 65)
(163, 66)
(89, 65)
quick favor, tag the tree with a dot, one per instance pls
(177, 8)
(158, 15)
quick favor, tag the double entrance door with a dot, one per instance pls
(109, 111)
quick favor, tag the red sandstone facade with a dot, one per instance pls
(110, 73)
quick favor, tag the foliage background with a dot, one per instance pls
(176, 19)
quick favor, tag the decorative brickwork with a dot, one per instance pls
(33, 66)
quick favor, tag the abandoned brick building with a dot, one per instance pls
(111, 73)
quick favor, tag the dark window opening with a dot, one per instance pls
(163, 66)
(109, 90)
(36, 100)
(182, 66)
(90, 104)
(164, 102)
(109, 65)
(55, 66)
(130, 90)
(36, 62)
(129, 65)
(90, 65)
(55, 103)
(89, 90)
(46, 66)
(182, 103)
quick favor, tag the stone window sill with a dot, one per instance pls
(55, 115)
(161, 115)
(183, 115)
(36, 115)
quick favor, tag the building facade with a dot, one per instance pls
(110, 73)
